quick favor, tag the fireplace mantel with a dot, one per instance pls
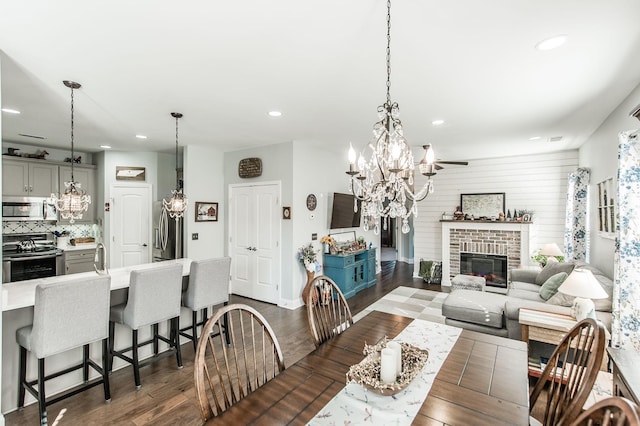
(516, 237)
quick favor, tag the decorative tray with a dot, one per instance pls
(367, 371)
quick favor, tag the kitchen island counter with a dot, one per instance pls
(22, 294)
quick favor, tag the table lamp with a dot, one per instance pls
(551, 250)
(582, 284)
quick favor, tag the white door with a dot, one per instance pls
(130, 226)
(254, 241)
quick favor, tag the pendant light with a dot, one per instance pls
(385, 183)
(74, 201)
(177, 204)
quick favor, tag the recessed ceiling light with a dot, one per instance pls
(535, 138)
(275, 113)
(105, 146)
(552, 42)
(437, 122)
(10, 111)
(141, 136)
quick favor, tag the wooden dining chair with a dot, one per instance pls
(613, 411)
(226, 373)
(327, 310)
(571, 372)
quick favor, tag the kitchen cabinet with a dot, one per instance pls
(86, 176)
(351, 272)
(26, 178)
(76, 261)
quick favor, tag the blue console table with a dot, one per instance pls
(352, 272)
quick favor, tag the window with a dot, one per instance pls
(606, 208)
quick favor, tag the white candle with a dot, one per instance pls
(387, 366)
(397, 353)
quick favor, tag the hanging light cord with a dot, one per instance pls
(177, 180)
(389, 52)
(72, 150)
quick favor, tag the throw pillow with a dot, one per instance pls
(550, 287)
(553, 268)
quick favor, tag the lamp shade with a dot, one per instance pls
(582, 283)
(551, 249)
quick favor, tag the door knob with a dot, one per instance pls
(144, 244)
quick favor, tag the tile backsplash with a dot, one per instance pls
(75, 230)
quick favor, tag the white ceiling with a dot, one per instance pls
(224, 65)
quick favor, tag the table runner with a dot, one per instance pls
(354, 404)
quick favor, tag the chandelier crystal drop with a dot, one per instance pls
(74, 201)
(176, 205)
(385, 183)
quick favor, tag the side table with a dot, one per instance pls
(550, 328)
(626, 380)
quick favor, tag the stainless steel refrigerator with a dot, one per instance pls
(167, 235)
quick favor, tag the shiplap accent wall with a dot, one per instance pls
(533, 182)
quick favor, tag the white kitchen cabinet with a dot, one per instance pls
(76, 261)
(26, 178)
(86, 176)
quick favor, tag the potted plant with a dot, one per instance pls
(307, 256)
(327, 242)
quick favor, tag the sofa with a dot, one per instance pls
(497, 314)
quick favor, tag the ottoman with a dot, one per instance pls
(477, 311)
(468, 282)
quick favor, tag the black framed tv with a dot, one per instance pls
(342, 214)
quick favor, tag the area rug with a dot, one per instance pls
(409, 302)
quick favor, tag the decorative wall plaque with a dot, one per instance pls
(250, 167)
(130, 173)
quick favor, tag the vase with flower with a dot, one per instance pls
(307, 256)
(327, 242)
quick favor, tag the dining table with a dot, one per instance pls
(483, 380)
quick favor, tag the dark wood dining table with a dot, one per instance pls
(483, 380)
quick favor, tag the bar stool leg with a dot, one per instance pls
(105, 372)
(194, 329)
(42, 406)
(112, 329)
(226, 326)
(154, 331)
(85, 363)
(175, 332)
(134, 356)
(23, 377)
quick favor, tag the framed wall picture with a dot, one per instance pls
(130, 173)
(206, 211)
(485, 205)
(286, 213)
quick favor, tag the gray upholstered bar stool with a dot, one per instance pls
(208, 286)
(66, 315)
(154, 296)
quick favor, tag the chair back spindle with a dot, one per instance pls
(327, 310)
(225, 374)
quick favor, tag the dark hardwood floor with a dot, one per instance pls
(167, 396)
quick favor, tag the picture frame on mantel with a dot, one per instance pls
(483, 205)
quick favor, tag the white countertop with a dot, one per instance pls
(22, 294)
(88, 246)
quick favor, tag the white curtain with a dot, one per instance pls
(625, 324)
(575, 233)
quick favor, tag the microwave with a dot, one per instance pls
(28, 208)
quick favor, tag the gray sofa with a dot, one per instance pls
(498, 313)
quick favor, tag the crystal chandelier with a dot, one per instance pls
(177, 204)
(384, 184)
(74, 201)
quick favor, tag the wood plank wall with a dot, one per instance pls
(533, 182)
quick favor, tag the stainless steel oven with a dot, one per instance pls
(25, 257)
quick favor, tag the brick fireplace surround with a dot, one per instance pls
(509, 239)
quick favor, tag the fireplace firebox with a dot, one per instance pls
(490, 266)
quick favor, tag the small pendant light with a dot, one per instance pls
(177, 204)
(74, 201)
